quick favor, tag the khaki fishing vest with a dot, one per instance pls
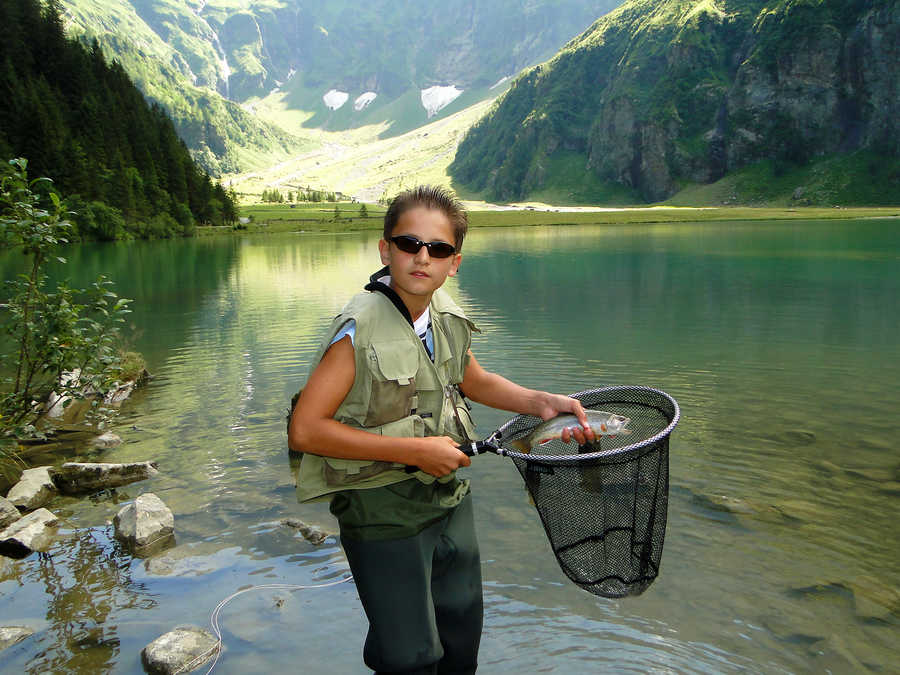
(397, 391)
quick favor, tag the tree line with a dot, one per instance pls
(80, 120)
(275, 196)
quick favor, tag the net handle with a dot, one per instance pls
(471, 449)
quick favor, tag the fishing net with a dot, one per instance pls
(603, 505)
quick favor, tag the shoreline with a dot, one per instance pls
(320, 219)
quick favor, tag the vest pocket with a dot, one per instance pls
(393, 367)
(340, 472)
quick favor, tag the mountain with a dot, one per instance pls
(329, 64)
(81, 121)
(222, 136)
(661, 96)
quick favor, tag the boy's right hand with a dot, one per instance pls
(440, 455)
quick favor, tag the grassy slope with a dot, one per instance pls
(361, 164)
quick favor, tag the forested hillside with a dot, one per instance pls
(726, 100)
(79, 120)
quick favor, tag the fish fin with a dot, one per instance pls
(625, 431)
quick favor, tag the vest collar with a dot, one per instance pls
(440, 300)
(379, 287)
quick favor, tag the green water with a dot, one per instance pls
(778, 340)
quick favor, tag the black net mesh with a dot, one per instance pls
(604, 505)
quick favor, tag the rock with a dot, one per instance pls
(10, 635)
(179, 651)
(728, 504)
(118, 393)
(74, 477)
(311, 533)
(872, 599)
(107, 440)
(34, 489)
(836, 656)
(800, 510)
(57, 403)
(890, 488)
(799, 628)
(8, 513)
(878, 475)
(146, 524)
(29, 533)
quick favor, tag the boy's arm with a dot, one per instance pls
(497, 392)
(314, 430)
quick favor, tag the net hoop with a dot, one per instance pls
(619, 453)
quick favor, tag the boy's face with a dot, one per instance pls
(418, 275)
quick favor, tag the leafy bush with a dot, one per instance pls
(51, 332)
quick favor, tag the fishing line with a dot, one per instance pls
(214, 619)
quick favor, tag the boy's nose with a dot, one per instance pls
(422, 255)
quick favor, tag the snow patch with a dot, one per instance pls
(436, 98)
(500, 81)
(334, 99)
(363, 100)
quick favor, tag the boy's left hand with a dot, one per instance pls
(552, 405)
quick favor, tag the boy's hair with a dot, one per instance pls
(431, 197)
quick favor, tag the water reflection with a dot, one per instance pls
(87, 583)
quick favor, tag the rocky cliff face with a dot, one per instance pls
(683, 92)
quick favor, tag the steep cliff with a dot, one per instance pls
(659, 95)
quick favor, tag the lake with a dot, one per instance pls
(779, 340)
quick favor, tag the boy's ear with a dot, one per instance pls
(384, 250)
(454, 266)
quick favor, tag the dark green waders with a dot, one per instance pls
(422, 596)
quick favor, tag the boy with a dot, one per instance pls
(384, 396)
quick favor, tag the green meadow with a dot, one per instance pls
(345, 216)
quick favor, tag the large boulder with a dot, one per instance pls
(146, 525)
(8, 513)
(28, 534)
(34, 489)
(75, 477)
(179, 651)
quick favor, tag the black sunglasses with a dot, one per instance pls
(436, 249)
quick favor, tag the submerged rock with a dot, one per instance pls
(800, 510)
(107, 440)
(873, 599)
(28, 534)
(10, 635)
(75, 477)
(8, 513)
(890, 488)
(311, 533)
(179, 651)
(34, 489)
(146, 525)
